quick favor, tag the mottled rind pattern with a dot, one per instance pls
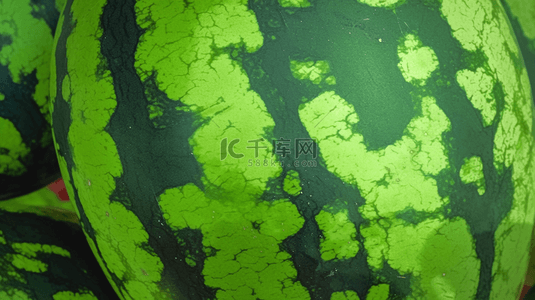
(418, 183)
(45, 259)
(513, 141)
(521, 13)
(27, 160)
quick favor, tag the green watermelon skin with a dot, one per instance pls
(522, 16)
(27, 156)
(421, 186)
(521, 13)
(42, 202)
(41, 258)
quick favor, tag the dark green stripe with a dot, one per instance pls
(153, 159)
(62, 121)
(19, 106)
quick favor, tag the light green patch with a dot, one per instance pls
(31, 249)
(382, 3)
(375, 243)
(331, 80)
(404, 168)
(378, 292)
(417, 61)
(22, 262)
(189, 260)
(154, 105)
(243, 251)
(483, 25)
(2, 238)
(478, 86)
(53, 77)
(12, 149)
(2, 97)
(67, 295)
(311, 70)
(14, 294)
(13, 274)
(292, 183)
(30, 49)
(431, 252)
(118, 232)
(346, 295)
(26, 257)
(155, 112)
(527, 89)
(66, 88)
(294, 3)
(472, 172)
(339, 235)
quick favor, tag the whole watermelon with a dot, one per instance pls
(371, 149)
(44, 259)
(27, 158)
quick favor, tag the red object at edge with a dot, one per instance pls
(58, 187)
(524, 292)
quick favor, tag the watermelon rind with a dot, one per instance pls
(173, 121)
(42, 202)
(45, 259)
(27, 158)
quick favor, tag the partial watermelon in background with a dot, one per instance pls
(521, 13)
(42, 202)
(44, 259)
(421, 186)
(27, 158)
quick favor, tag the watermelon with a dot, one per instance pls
(521, 13)
(297, 149)
(27, 156)
(522, 16)
(41, 258)
(42, 202)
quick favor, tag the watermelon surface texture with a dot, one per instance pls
(521, 13)
(41, 258)
(27, 157)
(298, 149)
